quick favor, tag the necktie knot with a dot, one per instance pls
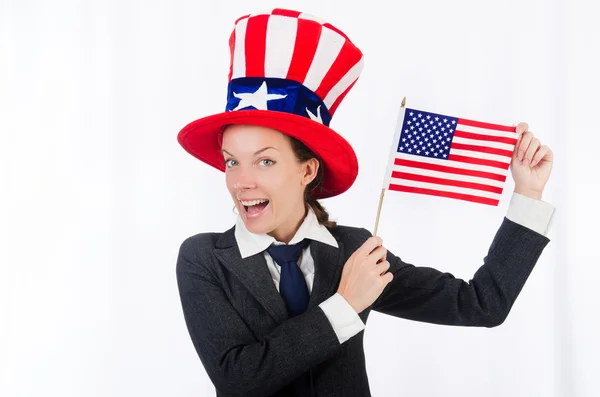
(285, 253)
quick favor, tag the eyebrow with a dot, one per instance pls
(257, 152)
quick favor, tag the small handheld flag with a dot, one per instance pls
(447, 156)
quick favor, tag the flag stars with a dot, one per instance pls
(422, 135)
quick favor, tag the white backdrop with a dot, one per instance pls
(97, 195)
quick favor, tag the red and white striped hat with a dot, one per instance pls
(289, 71)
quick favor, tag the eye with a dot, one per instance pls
(227, 163)
(272, 162)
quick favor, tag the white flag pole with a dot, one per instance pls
(393, 149)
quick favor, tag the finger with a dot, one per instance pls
(382, 267)
(539, 155)
(388, 277)
(516, 149)
(531, 149)
(522, 127)
(523, 144)
(368, 246)
(377, 255)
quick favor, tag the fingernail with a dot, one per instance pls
(521, 153)
(526, 161)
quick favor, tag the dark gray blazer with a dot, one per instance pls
(249, 347)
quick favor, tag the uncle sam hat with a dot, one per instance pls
(289, 71)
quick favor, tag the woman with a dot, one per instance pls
(275, 305)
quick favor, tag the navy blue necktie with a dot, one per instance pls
(292, 285)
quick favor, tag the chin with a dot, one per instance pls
(257, 228)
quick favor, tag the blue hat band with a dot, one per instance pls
(280, 95)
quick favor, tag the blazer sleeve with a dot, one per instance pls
(428, 295)
(238, 362)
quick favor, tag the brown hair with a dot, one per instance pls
(303, 153)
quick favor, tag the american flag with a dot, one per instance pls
(452, 157)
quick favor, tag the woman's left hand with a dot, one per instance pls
(531, 163)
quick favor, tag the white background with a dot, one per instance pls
(96, 195)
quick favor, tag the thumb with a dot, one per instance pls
(515, 152)
(519, 138)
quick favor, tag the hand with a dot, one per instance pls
(531, 163)
(365, 275)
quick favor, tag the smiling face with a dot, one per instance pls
(260, 164)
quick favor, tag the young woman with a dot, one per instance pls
(275, 305)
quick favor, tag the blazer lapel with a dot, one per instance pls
(329, 262)
(253, 273)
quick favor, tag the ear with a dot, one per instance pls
(309, 170)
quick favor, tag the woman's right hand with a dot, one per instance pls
(365, 274)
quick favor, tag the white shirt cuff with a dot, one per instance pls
(531, 213)
(345, 321)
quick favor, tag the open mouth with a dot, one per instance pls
(256, 209)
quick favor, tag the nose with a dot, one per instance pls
(244, 179)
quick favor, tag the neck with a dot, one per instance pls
(286, 232)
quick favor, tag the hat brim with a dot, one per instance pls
(340, 166)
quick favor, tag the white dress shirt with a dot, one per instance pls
(533, 214)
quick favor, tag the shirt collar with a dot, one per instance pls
(253, 243)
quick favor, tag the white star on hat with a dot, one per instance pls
(317, 117)
(258, 99)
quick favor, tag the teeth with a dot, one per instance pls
(253, 202)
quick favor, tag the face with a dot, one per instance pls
(261, 165)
